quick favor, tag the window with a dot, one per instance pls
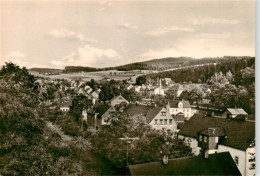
(187, 110)
(155, 121)
(205, 139)
(165, 121)
(161, 121)
(236, 160)
(216, 139)
(170, 121)
(200, 138)
(163, 114)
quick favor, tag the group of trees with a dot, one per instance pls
(150, 145)
(27, 145)
(196, 95)
(232, 82)
(114, 88)
(205, 72)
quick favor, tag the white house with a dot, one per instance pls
(137, 88)
(167, 80)
(95, 95)
(180, 106)
(129, 87)
(208, 134)
(160, 119)
(158, 91)
(233, 112)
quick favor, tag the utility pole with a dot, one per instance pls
(128, 141)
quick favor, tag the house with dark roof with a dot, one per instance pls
(215, 164)
(209, 134)
(95, 115)
(180, 106)
(158, 117)
(233, 112)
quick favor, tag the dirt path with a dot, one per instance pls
(57, 129)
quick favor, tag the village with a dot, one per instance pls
(181, 110)
(146, 87)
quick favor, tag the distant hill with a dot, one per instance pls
(155, 64)
(46, 70)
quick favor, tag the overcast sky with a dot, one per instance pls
(109, 33)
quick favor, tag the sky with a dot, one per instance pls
(58, 33)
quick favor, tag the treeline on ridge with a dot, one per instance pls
(203, 73)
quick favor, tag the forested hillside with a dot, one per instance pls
(232, 82)
(203, 73)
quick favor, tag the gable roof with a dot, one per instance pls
(118, 97)
(239, 134)
(152, 113)
(237, 111)
(102, 109)
(133, 109)
(174, 103)
(213, 132)
(176, 87)
(216, 164)
(179, 117)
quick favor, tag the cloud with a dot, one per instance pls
(67, 34)
(198, 48)
(19, 58)
(104, 4)
(127, 26)
(90, 56)
(164, 30)
(213, 35)
(209, 20)
(16, 54)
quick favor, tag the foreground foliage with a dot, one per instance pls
(27, 145)
(150, 146)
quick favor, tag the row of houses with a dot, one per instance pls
(208, 136)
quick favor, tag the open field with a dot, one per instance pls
(86, 76)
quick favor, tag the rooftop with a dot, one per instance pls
(216, 164)
(239, 134)
(174, 103)
(133, 109)
(152, 113)
(236, 111)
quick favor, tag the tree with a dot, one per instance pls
(27, 145)
(148, 148)
(219, 80)
(140, 80)
(79, 103)
(229, 76)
